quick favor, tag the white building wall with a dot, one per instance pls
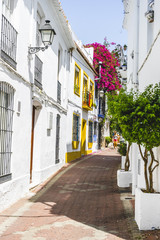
(148, 70)
(22, 79)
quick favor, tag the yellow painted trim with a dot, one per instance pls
(83, 135)
(87, 80)
(75, 144)
(70, 156)
(88, 152)
(77, 93)
(93, 87)
(90, 144)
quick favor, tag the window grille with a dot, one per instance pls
(95, 128)
(6, 119)
(90, 135)
(59, 64)
(8, 42)
(59, 92)
(57, 137)
(75, 127)
(38, 72)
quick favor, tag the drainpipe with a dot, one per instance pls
(135, 150)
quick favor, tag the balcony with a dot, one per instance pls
(8, 42)
(59, 92)
(38, 72)
(87, 100)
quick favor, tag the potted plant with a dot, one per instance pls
(120, 106)
(125, 47)
(147, 136)
(124, 66)
(107, 140)
(122, 149)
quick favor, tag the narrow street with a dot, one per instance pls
(81, 202)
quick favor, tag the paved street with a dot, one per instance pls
(81, 202)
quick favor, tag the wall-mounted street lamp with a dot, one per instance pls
(101, 93)
(47, 35)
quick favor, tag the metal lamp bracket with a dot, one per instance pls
(33, 50)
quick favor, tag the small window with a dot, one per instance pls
(77, 80)
(75, 127)
(90, 135)
(85, 83)
(91, 87)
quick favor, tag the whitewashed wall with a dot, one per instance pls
(148, 70)
(21, 79)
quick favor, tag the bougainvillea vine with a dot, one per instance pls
(109, 80)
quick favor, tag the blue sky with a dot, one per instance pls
(93, 20)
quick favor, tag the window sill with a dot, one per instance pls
(75, 144)
(5, 178)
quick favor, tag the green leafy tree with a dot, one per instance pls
(120, 108)
(146, 129)
(138, 115)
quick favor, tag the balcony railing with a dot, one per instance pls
(38, 72)
(87, 100)
(8, 42)
(59, 92)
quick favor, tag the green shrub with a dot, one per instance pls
(108, 140)
(122, 148)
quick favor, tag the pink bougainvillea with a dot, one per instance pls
(109, 80)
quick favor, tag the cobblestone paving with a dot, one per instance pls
(81, 202)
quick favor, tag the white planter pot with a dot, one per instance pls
(147, 210)
(124, 178)
(123, 159)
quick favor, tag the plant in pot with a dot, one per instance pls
(107, 140)
(147, 135)
(125, 47)
(120, 107)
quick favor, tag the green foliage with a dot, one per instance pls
(120, 108)
(138, 116)
(108, 140)
(122, 148)
(147, 117)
